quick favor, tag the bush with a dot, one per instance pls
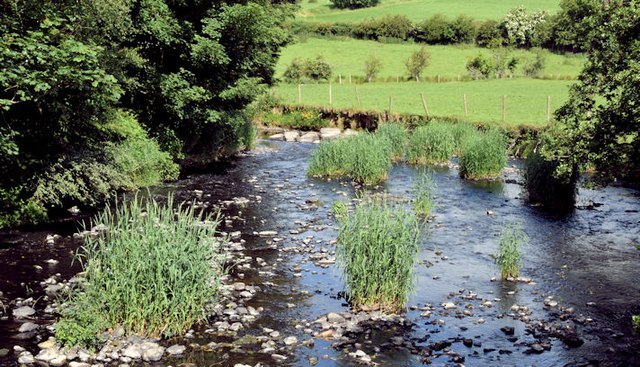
(417, 62)
(152, 272)
(556, 193)
(377, 249)
(372, 66)
(295, 72)
(483, 155)
(526, 29)
(397, 135)
(479, 67)
(534, 67)
(393, 26)
(462, 30)
(435, 30)
(299, 120)
(423, 189)
(366, 158)
(141, 163)
(489, 34)
(503, 63)
(509, 257)
(312, 69)
(354, 4)
(432, 143)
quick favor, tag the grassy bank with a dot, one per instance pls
(320, 10)
(347, 56)
(526, 99)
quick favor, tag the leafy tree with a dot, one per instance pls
(372, 66)
(600, 122)
(354, 4)
(524, 28)
(417, 62)
(572, 24)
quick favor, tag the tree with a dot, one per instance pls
(372, 66)
(417, 62)
(354, 4)
(600, 122)
(526, 29)
(572, 23)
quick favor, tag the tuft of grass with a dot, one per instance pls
(432, 143)
(152, 272)
(377, 249)
(340, 210)
(461, 131)
(366, 158)
(397, 135)
(423, 190)
(635, 322)
(483, 155)
(509, 257)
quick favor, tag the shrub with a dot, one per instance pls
(534, 67)
(295, 72)
(366, 158)
(377, 249)
(16, 210)
(545, 187)
(354, 4)
(489, 34)
(483, 155)
(397, 136)
(509, 257)
(423, 189)
(479, 67)
(372, 66)
(141, 163)
(435, 30)
(393, 26)
(417, 62)
(318, 69)
(299, 120)
(153, 272)
(432, 143)
(462, 30)
(503, 63)
(523, 28)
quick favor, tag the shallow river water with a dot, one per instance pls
(587, 261)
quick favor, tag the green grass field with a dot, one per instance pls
(526, 99)
(347, 56)
(320, 11)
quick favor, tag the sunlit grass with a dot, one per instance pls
(423, 194)
(509, 257)
(432, 143)
(377, 249)
(398, 137)
(483, 155)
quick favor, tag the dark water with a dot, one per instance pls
(587, 260)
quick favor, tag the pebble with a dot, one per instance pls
(27, 327)
(291, 340)
(22, 312)
(176, 350)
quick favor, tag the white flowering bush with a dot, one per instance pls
(523, 28)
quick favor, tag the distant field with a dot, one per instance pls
(526, 102)
(420, 9)
(347, 57)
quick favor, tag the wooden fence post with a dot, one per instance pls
(299, 93)
(504, 109)
(466, 112)
(548, 109)
(424, 105)
(340, 78)
(358, 96)
(349, 78)
(390, 105)
(330, 95)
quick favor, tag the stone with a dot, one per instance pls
(449, 305)
(4, 352)
(176, 349)
(291, 340)
(350, 132)
(22, 312)
(335, 318)
(309, 137)
(79, 364)
(26, 358)
(152, 352)
(27, 327)
(49, 343)
(50, 354)
(291, 135)
(276, 137)
(278, 357)
(133, 351)
(329, 133)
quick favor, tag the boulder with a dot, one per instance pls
(329, 133)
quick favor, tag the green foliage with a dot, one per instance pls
(397, 135)
(500, 65)
(483, 155)
(572, 24)
(340, 210)
(423, 194)
(432, 143)
(15, 210)
(547, 186)
(635, 322)
(308, 69)
(378, 248)
(434, 30)
(152, 272)
(463, 29)
(599, 124)
(489, 34)
(461, 131)
(525, 29)
(509, 256)
(372, 66)
(534, 67)
(354, 4)
(142, 163)
(298, 120)
(417, 62)
(366, 158)
(396, 27)
(479, 67)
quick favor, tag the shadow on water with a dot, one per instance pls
(583, 260)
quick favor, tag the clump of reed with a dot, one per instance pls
(509, 257)
(152, 272)
(545, 186)
(377, 249)
(483, 155)
(397, 135)
(461, 131)
(366, 158)
(423, 194)
(431, 143)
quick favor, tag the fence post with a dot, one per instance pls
(466, 112)
(358, 96)
(424, 105)
(330, 95)
(438, 77)
(299, 93)
(340, 78)
(504, 108)
(349, 78)
(390, 105)
(548, 109)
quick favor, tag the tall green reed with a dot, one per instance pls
(432, 143)
(509, 257)
(423, 194)
(483, 155)
(398, 137)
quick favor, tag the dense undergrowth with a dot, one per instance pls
(151, 271)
